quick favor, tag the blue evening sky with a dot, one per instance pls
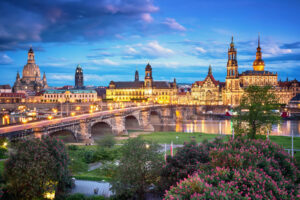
(110, 39)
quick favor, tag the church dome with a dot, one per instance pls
(31, 71)
(259, 65)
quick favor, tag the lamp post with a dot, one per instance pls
(292, 144)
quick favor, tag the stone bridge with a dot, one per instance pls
(82, 128)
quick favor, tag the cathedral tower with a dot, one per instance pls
(136, 76)
(148, 76)
(232, 65)
(78, 77)
(232, 83)
(258, 64)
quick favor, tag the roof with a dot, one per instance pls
(71, 91)
(22, 95)
(140, 84)
(200, 83)
(256, 73)
(5, 86)
(288, 83)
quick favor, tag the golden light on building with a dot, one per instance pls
(77, 108)
(73, 113)
(50, 117)
(54, 110)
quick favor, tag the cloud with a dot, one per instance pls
(59, 77)
(101, 54)
(147, 17)
(105, 61)
(30, 21)
(294, 45)
(5, 59)
(172, 24)
(200, 50)
(155, 49)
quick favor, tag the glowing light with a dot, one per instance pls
(54, 110)
(147, 146)
(73, 113)
(50, 117)
(5, 144)
(77, 108)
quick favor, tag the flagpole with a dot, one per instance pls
(292, 144)
(165, 152)
(172, 149)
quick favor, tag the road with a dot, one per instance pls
(44, 123)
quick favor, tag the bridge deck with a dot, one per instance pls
(45, 123)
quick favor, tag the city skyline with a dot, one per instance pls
(112, 39)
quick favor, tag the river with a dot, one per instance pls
(223, 126)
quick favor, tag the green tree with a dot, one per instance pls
(138, 169)
(256, 111)
(36, 167)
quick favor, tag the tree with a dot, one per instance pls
(138, 169)
(256, 111)
(36, 167)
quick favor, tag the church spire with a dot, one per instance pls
(258, 64)
(209, 70)
(136, 76)
(30, 58)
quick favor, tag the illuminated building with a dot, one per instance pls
(147, 90)
(31, 78)
(12, 97)
(235, 82)
(212, 92)
(71, 96)
(207, 92)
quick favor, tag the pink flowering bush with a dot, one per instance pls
(186, 162)
(35, 167)
(257, 169)
(223, 183)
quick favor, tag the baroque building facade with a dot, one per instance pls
(31, 77)
(162, 92)
(207, 92)
(212, 92)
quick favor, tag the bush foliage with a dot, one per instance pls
(36, 167)
(236, 169)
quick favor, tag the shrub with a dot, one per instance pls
(224, 183)
(186, 162)
(3, 152)
(107, 141)
(36, 167)
(139, 167)
(261, 158)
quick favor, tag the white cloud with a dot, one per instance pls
(273, 49)
(131, 51)
(147, 17)
(5, 59)
(105, 61)
(155, 49)
(59, 77)
(171, 23)
(200, 50)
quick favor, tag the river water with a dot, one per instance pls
(223, 126)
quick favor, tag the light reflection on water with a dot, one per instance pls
(224, 127)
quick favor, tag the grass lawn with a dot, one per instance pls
(94, 175)
(2, 166)
(179, 137)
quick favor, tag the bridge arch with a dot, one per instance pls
(132, 123)
(66, 135)
(155, 117)
(100, 129)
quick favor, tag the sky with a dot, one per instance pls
(111, 39)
